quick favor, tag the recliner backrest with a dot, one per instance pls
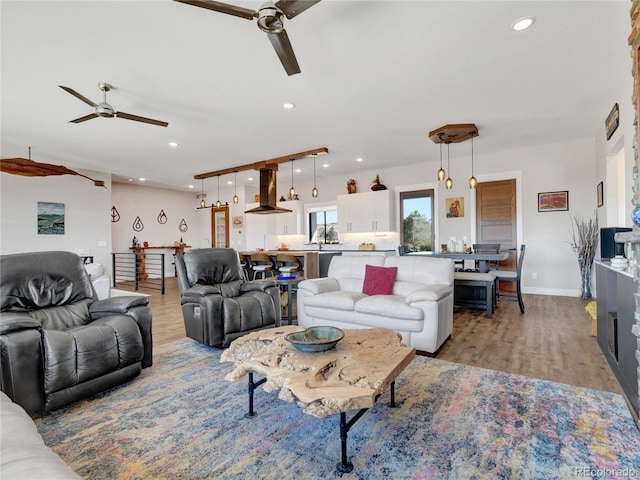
(212, 266)
(52, 287)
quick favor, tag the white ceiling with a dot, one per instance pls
(377, 76)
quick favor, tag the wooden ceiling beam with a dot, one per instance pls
(271, 163)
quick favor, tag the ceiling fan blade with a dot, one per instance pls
(283, 48)
(137, 118)
(292, 8)
(84, 119)
(77, 95)
(222, 8)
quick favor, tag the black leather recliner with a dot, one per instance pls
(218, 304)
(58, 342)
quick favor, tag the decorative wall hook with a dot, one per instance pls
(115, 216)
(183, 226)
(162, 217)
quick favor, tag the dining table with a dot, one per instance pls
(483, 259)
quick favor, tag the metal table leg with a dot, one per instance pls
(252, 387)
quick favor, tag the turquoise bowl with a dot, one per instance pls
(315, 339)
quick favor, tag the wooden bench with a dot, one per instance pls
(475, 290)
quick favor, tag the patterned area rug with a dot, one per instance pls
(181, 420)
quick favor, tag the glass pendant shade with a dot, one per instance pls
(292, 191)
(473, 182)
(203, 203)
(235, 186)
(449, 183)
(314, 192)
(441, 172)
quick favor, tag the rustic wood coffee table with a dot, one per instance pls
(349, 377)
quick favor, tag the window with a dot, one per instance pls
(323, 226)
(416, 211)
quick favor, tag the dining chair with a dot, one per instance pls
(262, 265)
(487, 248)
(511, 276)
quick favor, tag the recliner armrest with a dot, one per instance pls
(319, 285)
(117, 304)
(257, 285)
(12, 322)
(201, 291)
(432, 293)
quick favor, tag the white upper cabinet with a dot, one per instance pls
(365, 212)
(290, 223)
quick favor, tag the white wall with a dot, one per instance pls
(87, 214)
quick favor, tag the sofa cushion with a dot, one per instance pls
(379, 280)
(338, 300)
(391, 306)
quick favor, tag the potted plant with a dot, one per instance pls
(584, 239)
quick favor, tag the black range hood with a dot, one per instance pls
(268, 195)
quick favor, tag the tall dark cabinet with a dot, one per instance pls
(616, 309)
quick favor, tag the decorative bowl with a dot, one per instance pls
(315, 339)
(285, 276)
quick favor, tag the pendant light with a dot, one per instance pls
(292, 191)
(235, 186)
(441, 172)
(314, 192)
(203, 204)
(218, 202)
(473, 181)
(449, 182)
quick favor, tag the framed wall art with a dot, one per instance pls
(600, 194)
(455, 207)
(553, 201)
(612, 121)
(50, 218)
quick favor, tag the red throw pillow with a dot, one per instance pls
(379, 280)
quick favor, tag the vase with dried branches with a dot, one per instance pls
(584, 240)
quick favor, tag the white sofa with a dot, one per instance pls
(420, 308)
(23, 454)
(100, 279)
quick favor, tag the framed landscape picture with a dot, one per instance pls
(50, 218)
(553, 201)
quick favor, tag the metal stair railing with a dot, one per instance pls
(138, 271)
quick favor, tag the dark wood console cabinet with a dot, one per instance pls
(616, 308)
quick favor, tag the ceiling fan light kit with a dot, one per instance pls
(454, 133)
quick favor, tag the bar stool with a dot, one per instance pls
(262, 265)
(288, 264)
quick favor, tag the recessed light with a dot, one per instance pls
(522, 23)
(325, 165)
(131, 179)
(359, 159)
(298, 170)
(288, 105)
(229, 182)
(189, 186)
(142, 179)
(250, 179)
(173, 144)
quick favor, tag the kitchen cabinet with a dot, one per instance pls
(365, 212)
(290, 223)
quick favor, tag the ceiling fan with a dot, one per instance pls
(270, 20)
(103, 109)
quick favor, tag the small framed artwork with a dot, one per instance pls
(612, 121)
(50, 218)
(600, 194)
(236, 222)
(455, 207)
(553, 201)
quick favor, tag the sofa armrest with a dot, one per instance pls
(257, 285)
(117, 304)
(12, 322)
(319, 285)
(432, 293)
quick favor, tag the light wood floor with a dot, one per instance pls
(552, 341)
